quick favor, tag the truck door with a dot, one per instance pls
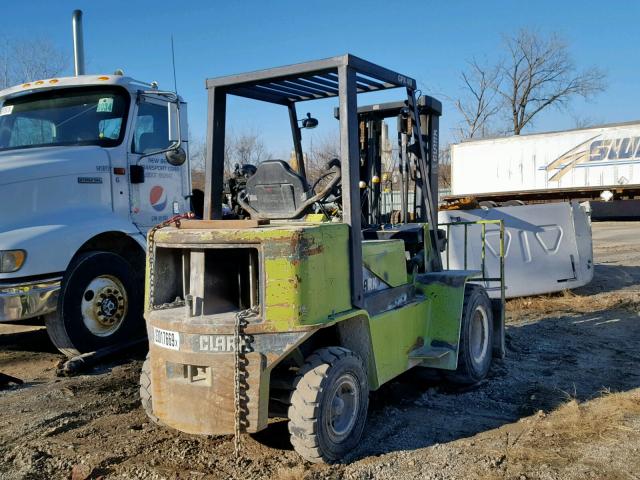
(160, 194)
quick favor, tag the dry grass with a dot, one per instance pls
(574, 438)
(571, 302)
(569, 433)
(578, 422)
(296, 472)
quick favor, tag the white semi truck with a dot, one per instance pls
(87, 165)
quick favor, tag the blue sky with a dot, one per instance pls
(429, 41)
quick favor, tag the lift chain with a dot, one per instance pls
(150, 246)
(240, 342)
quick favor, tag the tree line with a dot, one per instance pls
(23, 60)
(533, 72)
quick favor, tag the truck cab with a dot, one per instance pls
(87, 165)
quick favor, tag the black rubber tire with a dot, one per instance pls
(309, 435)
(146, 396)
(470, 371)
(66, 328)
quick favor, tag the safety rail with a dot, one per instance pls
(483, 237)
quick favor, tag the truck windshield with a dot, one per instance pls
(78, 116)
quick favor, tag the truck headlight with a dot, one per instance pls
(11, 260)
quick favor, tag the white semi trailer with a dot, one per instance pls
(597, 163)
(87, 165)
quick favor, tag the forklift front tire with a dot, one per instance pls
(329, 405)
(476, 337)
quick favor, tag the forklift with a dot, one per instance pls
(316, 295)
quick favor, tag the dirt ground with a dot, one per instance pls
(563, 404)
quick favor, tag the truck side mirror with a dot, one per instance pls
(176, 156)
(174, 121)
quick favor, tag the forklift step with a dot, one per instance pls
(430, 353)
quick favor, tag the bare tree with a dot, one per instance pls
(6, 74)
(24, 60)
(444, 168)
(247, 148)
(320, 153)
(196, 161)
(243, 148)
(539, 72)
(479, 104)
(585, 121)
(197, 150)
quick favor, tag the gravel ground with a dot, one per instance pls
(564, 403)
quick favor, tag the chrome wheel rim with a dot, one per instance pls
(104, 305)
(479, 335)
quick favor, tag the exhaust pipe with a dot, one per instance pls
(78, 42)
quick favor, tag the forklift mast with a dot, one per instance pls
(370, 128)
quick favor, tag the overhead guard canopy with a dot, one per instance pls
(309, 80)
(342, 77)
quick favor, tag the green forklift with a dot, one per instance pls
(316, 294)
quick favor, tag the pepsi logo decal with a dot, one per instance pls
(158, 198)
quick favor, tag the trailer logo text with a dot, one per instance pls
(595, 150)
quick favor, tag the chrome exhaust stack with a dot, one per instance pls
(78, 42)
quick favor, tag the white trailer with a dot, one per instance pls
(589, 163)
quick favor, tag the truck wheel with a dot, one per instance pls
(146, 397)
(329, 405)
(100, 305)
(476, 337)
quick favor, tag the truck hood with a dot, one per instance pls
(41, 183)
(37, 163)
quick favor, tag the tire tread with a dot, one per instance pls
(304, 408)
(462, 375)
(146, 398)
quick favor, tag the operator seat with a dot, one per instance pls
(275, 189)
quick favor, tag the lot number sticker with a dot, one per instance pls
(166, 338)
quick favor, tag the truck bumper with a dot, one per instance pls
(19, 301)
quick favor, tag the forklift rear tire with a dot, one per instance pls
(100, 304)
(329, 405)
(476, 337)
(146, 397)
